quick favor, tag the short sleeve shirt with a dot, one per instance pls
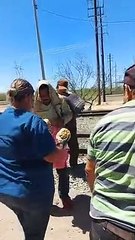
(112, 147)
(24, 142)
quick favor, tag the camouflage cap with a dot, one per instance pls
(62, 84)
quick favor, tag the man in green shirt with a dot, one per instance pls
(110, 170)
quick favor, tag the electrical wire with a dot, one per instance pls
(67, 48)
(120, 22)
(67, 17)
(87, 20)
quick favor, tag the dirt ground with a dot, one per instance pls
(63, 224)
(66, 225)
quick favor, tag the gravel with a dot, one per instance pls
(85, 125)
(78, 183)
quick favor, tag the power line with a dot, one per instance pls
(102, 54)
(66, 48)
(97, 50)
(95, 15)
(87, 20)
(110, 72)
(120, 22)
(64, 16)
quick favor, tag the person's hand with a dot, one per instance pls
(62, 137)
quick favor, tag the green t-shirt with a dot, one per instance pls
(112, 146)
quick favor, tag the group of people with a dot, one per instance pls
(51, 104)
(29, 151)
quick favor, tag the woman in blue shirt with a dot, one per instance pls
(27, 150)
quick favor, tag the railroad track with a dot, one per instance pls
(86, 121)
(93, 113)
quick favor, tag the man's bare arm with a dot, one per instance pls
(90, 173)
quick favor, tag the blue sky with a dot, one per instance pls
(62, 38)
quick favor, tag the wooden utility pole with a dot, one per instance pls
(102, 57)
(115, 71)
(38, 40)
(97, 51)
(110, 72)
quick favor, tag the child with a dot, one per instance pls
(61, 137)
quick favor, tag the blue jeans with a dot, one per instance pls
(33, 217)
(63, 183)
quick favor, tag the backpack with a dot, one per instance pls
(75, 102)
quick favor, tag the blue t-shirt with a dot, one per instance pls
(24, 141)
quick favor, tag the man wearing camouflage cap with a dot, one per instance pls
(110, 170)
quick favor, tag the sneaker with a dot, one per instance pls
(67, 203)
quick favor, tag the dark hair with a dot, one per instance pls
(19, 89)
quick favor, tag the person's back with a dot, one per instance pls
(27, 151)
(21, 156)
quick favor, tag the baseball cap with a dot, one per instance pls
(129, 77)
(20, 87)
(62, 84)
